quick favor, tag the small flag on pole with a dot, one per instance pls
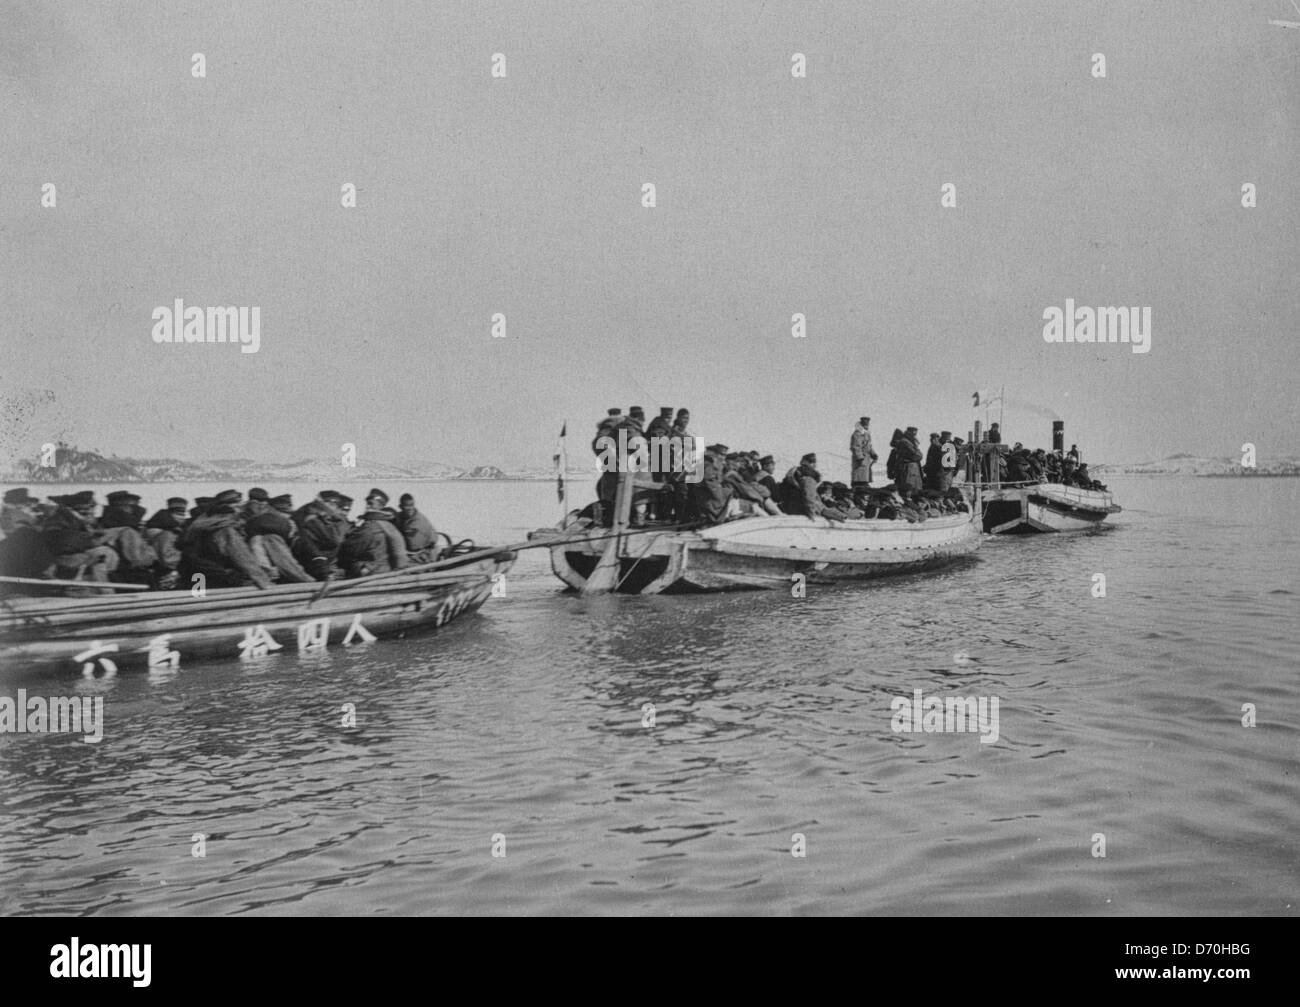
(561, 461)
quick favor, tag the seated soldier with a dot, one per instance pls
(271, 533)
(842, 500)
(321, 530)
(22, 553)
(214, 546)
(417, 530)
(163, 532)
(711, 495)
(799, 491)
(68, 535)
(120, 526)
(750, 494)
(373, 546)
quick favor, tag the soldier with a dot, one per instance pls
(344, 504)
(604, 445)
(259, 502)
(162, 532)
(214, 546)
(22, 553)
(373, 546)
(799, 491)
(745, 487)
(68, 535)
(677, 505)
(934, 463)
(321, 530)
(121, 527)
(271, 534)
(767, 465)
(909, 463)
(603, 429)
(862, 453)
(710, 496)
(660, 428)
(417, 531)
(842, 501)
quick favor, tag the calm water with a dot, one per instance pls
(1118, 715)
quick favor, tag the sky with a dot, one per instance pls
(522, 195)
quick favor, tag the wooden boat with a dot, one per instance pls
(168, 629)
(759, 551)
(1044, 507)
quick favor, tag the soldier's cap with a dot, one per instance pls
(329, 496)
(202, 501)
(176, 503)
(283, 502)
(21, 497)
(934, 437)
(637, 411)
(809, 459)
(227, 498)
(344, 501)
(615, 411)
(910, 430)
(257, 493)
(406, 498)
(767, 460)
(945, 433)
(665, 411)
(78, 501)
(864, 420)
(120, 496)
(717, 449)
(683, 412)
(377, 493)
(840, 489)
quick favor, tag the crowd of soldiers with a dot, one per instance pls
(1020, 465)
(230, 541)
(736, 483)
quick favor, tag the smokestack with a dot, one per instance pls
(1058, 436)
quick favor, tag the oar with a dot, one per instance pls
(96, 584)
(463, 559)
(604, 577)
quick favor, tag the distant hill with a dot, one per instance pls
(74, 466)
(1193, 465)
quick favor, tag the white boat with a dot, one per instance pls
(759, 551)
(1045, 507)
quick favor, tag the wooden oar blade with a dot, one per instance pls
(604, 578)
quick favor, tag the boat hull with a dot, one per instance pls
(767, 552)
(168, 630)
(1045, 508)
